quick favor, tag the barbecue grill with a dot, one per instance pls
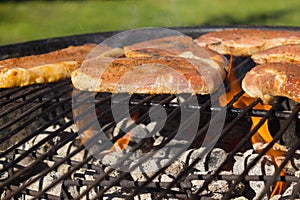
(42, 157)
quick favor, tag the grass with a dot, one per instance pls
(31, 20)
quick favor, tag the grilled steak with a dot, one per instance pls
(42, 68)
(168, 65)
(245, 42)
(149, 75)
(285, 53)
(273, 79)
(181, 46)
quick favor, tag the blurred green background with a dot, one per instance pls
(30, 20)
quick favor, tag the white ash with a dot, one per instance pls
(215, 196)
(218, 186)
(263, 167)
(239, 198)
(293, 165)
(196, 184)
(168, 175)
(276, 197)
(208, 163)
(47, 180)
(143, 196)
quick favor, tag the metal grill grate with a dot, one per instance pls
(41, 156)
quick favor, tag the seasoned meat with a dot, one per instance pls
(285, 53)
(182, 46)
(164, 75)
(42, 68)
(167, 65)
(245, 42)
(273, 79)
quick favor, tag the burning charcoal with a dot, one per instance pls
(240, 198)
(47, 180)
(218, 186)
(167, 176)
(216, 196)
(209, 163)
(262, 167)
(276, 197)
(190, 155)
(4, 175)
(174, 169)
(143, 197)
(69, 147)
(196, 184)
(215, 158)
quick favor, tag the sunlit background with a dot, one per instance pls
(31, 20)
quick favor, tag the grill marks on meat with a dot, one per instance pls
(273, 79)
(245, 42)
(285, 53)
(161, 66)
(49, 67)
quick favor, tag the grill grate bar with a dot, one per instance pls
(41, 158)
(29, 121)
(30, 100)
(49, 154)
(186, 123)
(27, 113)
(239, 146)
(140, 120)
(146, 183)
(265, 150)
(140, 189)
(127, 184)
(18, 93)
(287, 158)
(74, 168)
(260, 113)
(122, 116)
(28, 152)
(104, 179)
(230, 156)
(30, 192)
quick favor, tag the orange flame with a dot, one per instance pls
(262, 136)
(123, 142)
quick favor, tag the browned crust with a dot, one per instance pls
(245, 42)
(166, 46)
(171, 46)
(285, 53)
(166, 65)
(168, 75)
(273, 79)
(72, 53)
(44, 68)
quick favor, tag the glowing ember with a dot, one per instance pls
(262, 137)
